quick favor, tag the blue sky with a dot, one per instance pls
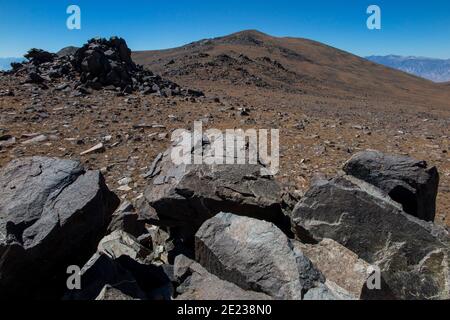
(411, 27)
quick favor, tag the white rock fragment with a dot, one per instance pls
(97, 148)
(37, 139)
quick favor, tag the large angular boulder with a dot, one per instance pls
(408, 181)
(412, 254)
(199, 284)
(52, 214)
(183, 196)
(256, 256)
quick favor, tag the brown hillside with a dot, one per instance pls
(292, 65)
(328, 105)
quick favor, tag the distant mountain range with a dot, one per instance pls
(437, 70)
(5, 63)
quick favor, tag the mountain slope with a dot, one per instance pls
(437, 70)
(298, 66)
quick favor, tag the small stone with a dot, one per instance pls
(125, 188)
(124, 181)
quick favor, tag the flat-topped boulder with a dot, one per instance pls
(183, 196)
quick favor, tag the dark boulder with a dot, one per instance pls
(198, 284)
(408, 181)
(102, 272)
(124, 265)
(52, 215)
(107, 61)
(412, 254)
(256, 256)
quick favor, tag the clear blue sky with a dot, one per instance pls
(411, 27)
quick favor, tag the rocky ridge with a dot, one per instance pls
(99, 64)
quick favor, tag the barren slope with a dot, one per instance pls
(290, 64)
(327, 104)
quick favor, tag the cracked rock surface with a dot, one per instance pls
(413, 255)
(52, 215)
(183, 196)
(199, 284)
(255, 255)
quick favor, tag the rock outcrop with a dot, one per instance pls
(99, 64)
(408, 181)
(52, 214)
(412, 254)
(345, 239)
(183, 196)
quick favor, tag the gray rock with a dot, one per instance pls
(102, 271)
(7, 140)
(408, 181)
(122, 263)
(119, 243)
(182, 197)
(36, 140)
(52, 215)
(348, 273)
(199, 284)
(126, 219)
(412, 254)
(254, 255)
(110, 293)
(322, 292)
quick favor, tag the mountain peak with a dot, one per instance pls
(245, 37)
